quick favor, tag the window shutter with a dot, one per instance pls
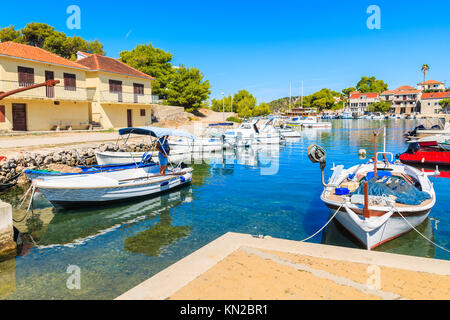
(70, 82)
(26, 76)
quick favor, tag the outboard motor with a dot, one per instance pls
(413, 148)
(317, 154)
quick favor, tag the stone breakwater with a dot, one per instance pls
(11, 170)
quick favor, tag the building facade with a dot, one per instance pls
(359, 102)
(431, 85)
(63, 106)
(121, 95)
(430, 102)
(405, 100)
(95, 89)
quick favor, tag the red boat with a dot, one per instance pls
(426, 156)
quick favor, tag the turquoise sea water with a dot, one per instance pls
(264, 192)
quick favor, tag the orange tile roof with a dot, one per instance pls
(23, 51)
(430, 82)
(97, 62)
(368, 95)
(402, 90)
(436, 95)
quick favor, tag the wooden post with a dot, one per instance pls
(366, 200)
(375, 157)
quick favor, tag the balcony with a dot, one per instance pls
(59, 92)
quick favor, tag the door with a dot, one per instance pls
(19, 113)
(50, 91)
(129, 118)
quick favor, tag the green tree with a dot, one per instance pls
(10, 34)
(371, 84)
(445, 103)
(425, 68)
(154, 62)
(382, 106)
(323, 99)
(244, 103)
(35, 34)
(347, 91)
(263, 109)
(187, 89)
(44, 36)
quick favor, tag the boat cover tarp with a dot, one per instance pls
(405, 192)
(155, 132)
(228, 124)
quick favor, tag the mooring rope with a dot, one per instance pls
(326, 224)
(423, 236)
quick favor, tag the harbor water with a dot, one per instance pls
(99, 253)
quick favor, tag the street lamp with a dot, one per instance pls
(223, 100)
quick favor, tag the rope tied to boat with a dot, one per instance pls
(326, 224)
(422, 235)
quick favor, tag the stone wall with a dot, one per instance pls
(169, 113)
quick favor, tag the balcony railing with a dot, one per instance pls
(59, 92)
(122, 97)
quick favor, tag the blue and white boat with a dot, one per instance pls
(85, 170)
(72, 191)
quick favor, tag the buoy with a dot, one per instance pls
(362, 153)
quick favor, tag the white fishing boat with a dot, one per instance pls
(377, 116)
(346, 115)
(284, 130)
(249, 134)
(313, 122)
(124, 185)
(211, 139)
(376, 201)
(178, 154)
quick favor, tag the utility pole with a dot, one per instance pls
(290, 94)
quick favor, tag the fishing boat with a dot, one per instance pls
(114, 186)
(421, 131)
(376, 201)
(346, 115)
(85, 170)
(378, 116)
(211, 139)
(177, 155)
(248, 134)
(313, 122)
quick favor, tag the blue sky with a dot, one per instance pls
(263, 45)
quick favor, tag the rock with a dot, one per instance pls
(57, 158)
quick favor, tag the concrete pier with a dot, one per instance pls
(242, 267)
(7, 244)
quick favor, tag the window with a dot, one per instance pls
(138, 91)
(70, 82)
(26, 76)
(2, 114)
(142, 112)
(116, 87)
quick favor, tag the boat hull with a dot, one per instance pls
(393, 228)
(106, 158)
(74, 197)
(441, 158)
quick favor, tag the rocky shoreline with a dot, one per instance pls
(11, 170)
